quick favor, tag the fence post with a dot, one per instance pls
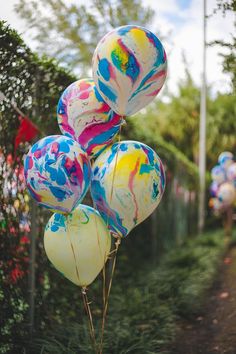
(33, 228)
(33, 234)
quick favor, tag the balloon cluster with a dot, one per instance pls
(126, 178)
(223, 186)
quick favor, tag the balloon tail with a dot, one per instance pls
(117, 244)
(85, 301)
(90, 317)
(113, 253)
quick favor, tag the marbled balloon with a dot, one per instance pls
(218, 174)
(129, 68)
(84, 116)
(226, 194)
(128, 182)
(57, 173)
(225, 159)
(78, 244)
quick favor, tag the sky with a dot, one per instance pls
(180, 22)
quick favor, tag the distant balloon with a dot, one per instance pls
(226, 159)
(226, 194)
(218, 174)
(214, 187)
(231, 173)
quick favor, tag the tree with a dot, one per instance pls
(178, 121)
(71, 32)
(229, 60)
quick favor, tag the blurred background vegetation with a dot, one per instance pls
(163, 271)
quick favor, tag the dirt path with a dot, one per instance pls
(214, 331)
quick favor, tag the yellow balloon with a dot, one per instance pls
(78, 244)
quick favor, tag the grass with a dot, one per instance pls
(143, 312)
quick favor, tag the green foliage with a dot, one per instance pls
(144, 308)
(33, 83)
(71, 32)
(229, 59)
(177, 123)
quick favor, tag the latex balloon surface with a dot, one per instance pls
(78, 244)
(218, 174)
(214, 187)
(129, 68)
(225, 159)
(128, 182)
(57, 173)
(84, 116)
(231, 173)
(226, 194)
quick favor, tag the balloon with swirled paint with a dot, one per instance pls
(78, 244)
(231, 173)
(214, 187)
(226, 194)
(84, 116)
(226, 158)
(129, 68)
(57, 173)
(218, 174)
(127, 185)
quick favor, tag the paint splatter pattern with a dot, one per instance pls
(129, 68)
(84, 116)
(127, 194)
(57, 173)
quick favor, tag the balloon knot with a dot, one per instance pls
(84, 290)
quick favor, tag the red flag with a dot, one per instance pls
(27, 131)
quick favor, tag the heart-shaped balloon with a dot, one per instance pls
(127, 185)
(78, 244)
(57, 173)
(84, 116)
(129, 68)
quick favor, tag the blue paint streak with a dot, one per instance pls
(58, 193)
(64, 147)
(123, 147)
(61, 107)
(103, 67)
(155, 191)
(97, 95)
(99, 198)
(124, 30)
(145, 169)
(106, 90)
(105, 136)
(132, 68)
(61, 179)
(26, 164)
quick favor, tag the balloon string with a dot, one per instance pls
(85, 301)
(90, 317)
(116, 160)
(117, 244)
(114, 252)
